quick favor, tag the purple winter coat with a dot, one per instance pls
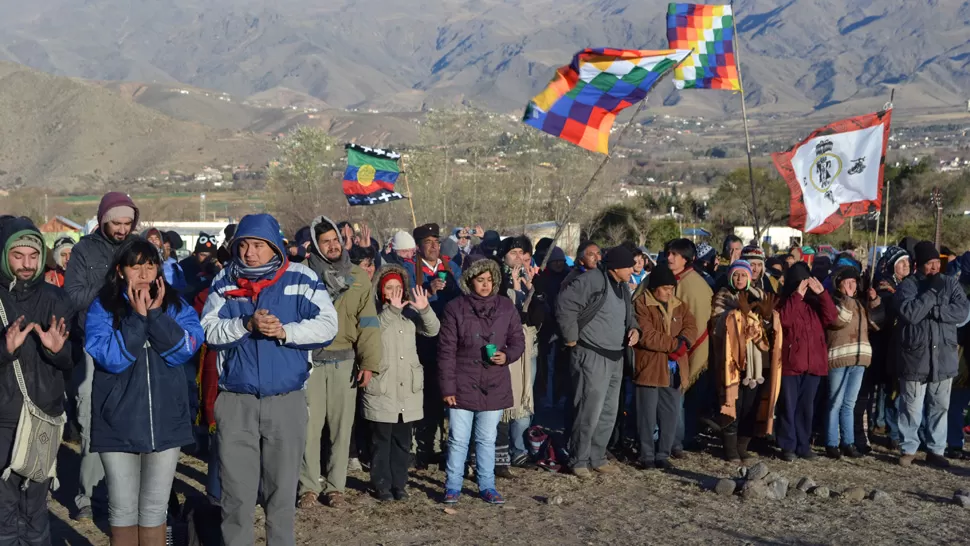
(470, 322)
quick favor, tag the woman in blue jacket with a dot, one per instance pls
(139, 333)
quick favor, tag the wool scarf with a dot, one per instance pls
(253, 280)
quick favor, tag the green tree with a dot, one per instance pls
(732, 201)
(302, 182)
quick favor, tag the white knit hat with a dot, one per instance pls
(402, 240)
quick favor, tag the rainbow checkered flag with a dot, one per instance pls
(709, 31)
(582, 100)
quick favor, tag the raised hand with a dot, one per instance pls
(767, 306)
(348, 235)
(54, 337)
(420, 300)
(396, 298)
(160, 296)
(364, 234)
(803, 288)
(743, 303)
(16, 334)
(139, 300)
(815, 285)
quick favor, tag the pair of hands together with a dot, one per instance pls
(53, 338)
(499, 359)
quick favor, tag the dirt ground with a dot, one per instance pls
(631, 507)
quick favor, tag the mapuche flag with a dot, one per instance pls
(370, 175)
(708, 30)
(582, 100)
(836, 172)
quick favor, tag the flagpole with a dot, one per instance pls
(885, 239)
(744, 119)
(414, 219)
(574, 203)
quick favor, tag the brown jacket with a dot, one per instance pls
(660, 326)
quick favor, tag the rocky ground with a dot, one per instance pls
(632, 507)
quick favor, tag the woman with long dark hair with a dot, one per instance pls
(806, 311)
(139, 333)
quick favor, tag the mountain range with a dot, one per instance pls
(798, 56)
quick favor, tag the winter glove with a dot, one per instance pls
(679, 352)
(936, 282)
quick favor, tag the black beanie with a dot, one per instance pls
(661, 276)
(925, 251)
(618, 257)
(519, 241)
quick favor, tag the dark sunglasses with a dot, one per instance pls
(463, 237)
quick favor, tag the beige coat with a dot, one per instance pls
(398, 387)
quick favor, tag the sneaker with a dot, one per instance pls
(906, 461)
(581, 472)
(833, 453)
(607, 469)
(939, 461)
(384, 495)
(663, 464)
(84, 514)
(400, 494)
(353, 465)
(504, 472)
(788, 456)
(851, 451)
(809, 456)
(492, 496)
(451, 496)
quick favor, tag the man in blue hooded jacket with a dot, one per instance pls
(264, 315)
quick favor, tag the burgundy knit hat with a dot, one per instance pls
(115, 199)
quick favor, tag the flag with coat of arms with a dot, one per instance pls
(837, 172)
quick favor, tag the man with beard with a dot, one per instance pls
(36, 320)
(85, 276)
(332, 387)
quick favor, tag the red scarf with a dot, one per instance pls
(251, 289)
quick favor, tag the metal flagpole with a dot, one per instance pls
(744, 119)
(414, 219)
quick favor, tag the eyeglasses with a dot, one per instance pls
(463, 237)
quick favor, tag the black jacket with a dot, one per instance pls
(928, 312)
(43, 371)
(87, 271)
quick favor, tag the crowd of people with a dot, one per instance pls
(286, 364)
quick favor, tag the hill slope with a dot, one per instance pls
(65, 133)
(799, 56)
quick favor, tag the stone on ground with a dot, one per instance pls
(821, 491)
(806, 484)
(757, 472)
(854, 494)
(725, 487)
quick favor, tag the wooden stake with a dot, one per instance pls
(414, 219)
(744, 119)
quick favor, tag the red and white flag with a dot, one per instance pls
(836, 172)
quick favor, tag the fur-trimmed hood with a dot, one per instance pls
(476, 269)
(385, 270)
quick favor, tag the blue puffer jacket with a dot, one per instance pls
(252, 363)
(139, 401)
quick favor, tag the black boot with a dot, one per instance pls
(731, 454)
(747, 458)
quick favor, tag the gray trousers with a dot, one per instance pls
(596, 383)
(332, 401)
(657, 406)
(92, 471)
(260, 437)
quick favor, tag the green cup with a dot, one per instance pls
(490, 350)
(443, 276)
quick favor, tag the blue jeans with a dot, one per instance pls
(461, 423)
(844, 385)
(919, 404)
(959, 400)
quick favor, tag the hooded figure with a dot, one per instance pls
(24, 294)
(61, 255)
(331, 389)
